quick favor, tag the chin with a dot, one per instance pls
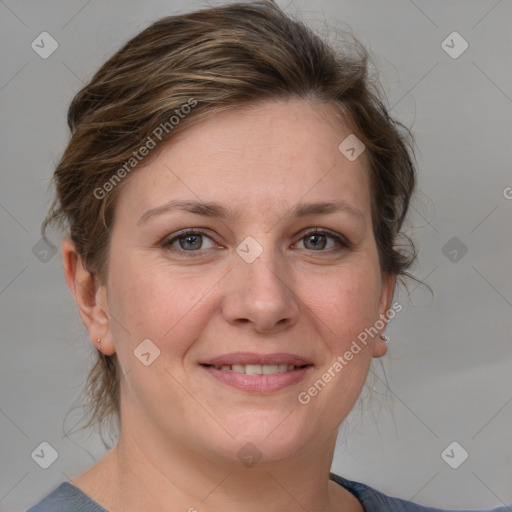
(267, 436)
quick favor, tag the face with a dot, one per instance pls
(258, 279)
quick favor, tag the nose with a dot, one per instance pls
(260, 295)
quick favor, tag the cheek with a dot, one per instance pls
(158, 302)
(347, 306)
(154, 302)
(347, 301)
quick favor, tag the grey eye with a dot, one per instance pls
(190, 241)
(317, 241)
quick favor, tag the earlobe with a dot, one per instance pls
(380, 347)
(89, 295)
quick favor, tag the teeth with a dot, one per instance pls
(269, 369)
(258, 369)
(253, 369)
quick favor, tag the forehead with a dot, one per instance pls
(255, 159)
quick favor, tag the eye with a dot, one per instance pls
(189, 240)
(316, 240)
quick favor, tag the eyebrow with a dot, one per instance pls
(217, 210)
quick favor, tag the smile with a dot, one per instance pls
(257, 369)
(258, 378)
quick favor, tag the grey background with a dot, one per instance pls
(450, 359)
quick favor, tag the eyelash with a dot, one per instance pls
(166, 244)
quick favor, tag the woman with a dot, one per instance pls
(234, 191)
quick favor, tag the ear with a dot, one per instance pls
(386, 296)
(90, 297)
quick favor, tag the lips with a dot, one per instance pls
(258, 373)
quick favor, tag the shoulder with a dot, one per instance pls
(374, 500)
(66, 498)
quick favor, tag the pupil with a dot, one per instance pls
(315, 239)
(189, 238)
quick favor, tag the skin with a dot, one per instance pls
(181, 428)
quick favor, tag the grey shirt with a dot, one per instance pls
(68, 498)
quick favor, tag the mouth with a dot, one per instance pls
(257, 369)
(255, 373)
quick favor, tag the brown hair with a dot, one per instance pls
(212, 60)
